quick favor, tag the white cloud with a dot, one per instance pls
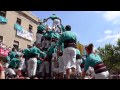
(109, 37)
(98, 12)
(108, 31)
(111, 15)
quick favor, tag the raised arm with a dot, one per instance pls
(47, 19)
(60, 29)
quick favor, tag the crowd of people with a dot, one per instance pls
(5, 47)
(54, 55)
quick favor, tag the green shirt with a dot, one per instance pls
(41, 27)
(84, 52)
(78, 52)
(26, 52)
(92, 60)
(8, 58)
(12, 54)
(62, 47)
(45, 34)
(63, 28)
(66, 36)
(56, 35)
(51, 34)
(52, 50)
(35, 50)
(15, 62)
(39, 62)
(43, 55)
(53, 17)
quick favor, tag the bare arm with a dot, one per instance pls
(2, 75)
(47, 19)
(60, 21)
(60, 30)
(83, 74)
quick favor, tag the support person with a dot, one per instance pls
(94, 60)
(78, 63)
(40, 30)
(69, 54)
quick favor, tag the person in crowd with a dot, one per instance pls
(2, 70)
(46, 39)
(61, 65)
(90, 72)
(40, 32)
(32, 62)
(55, 64)
(52, 49)
(13, 66)
(94, 60)
(7, 61)
(78, 63)
(12, 53)
(69, 54)
(61, 28)
(21, 68)
(44, 67)
(56, 20)
(26, 55)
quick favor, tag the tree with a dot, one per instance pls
(111, 56)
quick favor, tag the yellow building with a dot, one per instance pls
(81, 48)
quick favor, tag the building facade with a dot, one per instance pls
(18, 28)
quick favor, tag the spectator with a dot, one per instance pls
(2, 71)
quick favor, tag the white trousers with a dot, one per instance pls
(44, 65)
(61, 65)
(38, 38)
(103, 75)
(78, 68)
(90, 71)
(55, 23)
(10, 71)
(22, 64)
(69, 57)
(6, 65)
(32, 66)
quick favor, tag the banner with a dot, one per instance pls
(25, 34)
(3, 19)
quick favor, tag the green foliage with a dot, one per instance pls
(111, 56)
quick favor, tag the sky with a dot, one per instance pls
(97, 27)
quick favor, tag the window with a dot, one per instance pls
(18, 21)
(16, 45)
(3, 13)
(30, 28)
(1, 39)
